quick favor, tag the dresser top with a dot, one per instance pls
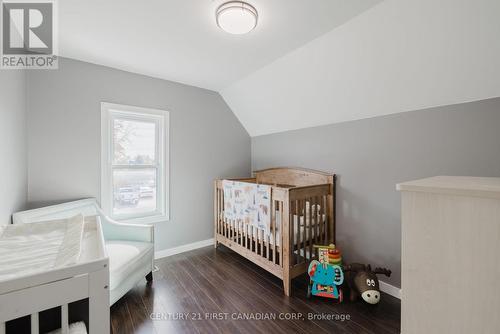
(455, 185)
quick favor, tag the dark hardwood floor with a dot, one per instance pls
(207, 290)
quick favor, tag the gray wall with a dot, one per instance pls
(13, 168)
(206, 141)
(370, 156)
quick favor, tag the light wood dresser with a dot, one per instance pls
(450, 255)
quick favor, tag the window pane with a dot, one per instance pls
(134, 191)
(133, 142)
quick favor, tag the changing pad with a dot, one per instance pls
(27, 249)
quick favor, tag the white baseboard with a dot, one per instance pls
(184, 248)
(390, 289)
(384, 287)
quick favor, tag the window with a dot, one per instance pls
(134, 163)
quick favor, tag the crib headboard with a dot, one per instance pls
(293, 176)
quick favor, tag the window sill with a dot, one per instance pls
(146, 220)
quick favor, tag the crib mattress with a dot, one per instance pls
(27, 249)
(298, 221)
(304, 229)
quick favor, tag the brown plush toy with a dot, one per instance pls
(362, 281)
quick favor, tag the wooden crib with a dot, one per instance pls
(302, 214)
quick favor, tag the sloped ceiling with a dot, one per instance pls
(179, 40)
(400, 55)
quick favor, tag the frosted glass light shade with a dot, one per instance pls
(236, 17)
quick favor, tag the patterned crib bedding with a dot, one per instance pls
(247, 204)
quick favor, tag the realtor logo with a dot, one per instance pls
(28, 34)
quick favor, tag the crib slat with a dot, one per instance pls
(319, 217)
(232, 229)
(261, 242)
(257, 245)
(321, 229)
(222, 213)
(251, 238)
(219, 209)
(216, 210)
(264, 238)
(235, 230)
(296, 236)
(276, 231)
(217, 194)
(257, 241)
(303, 238)
(240, 231)
(244, 234)
(268, 253)
(317, 220)
(301, 212)
(292, 213)
(263, 245)
(325, 220)
(2, 327)
(273, 231)
(226, 231)
(266, 245)
(281, 205)
(34, 323)
(310, 232)
(64, 319)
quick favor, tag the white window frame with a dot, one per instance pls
(112, 111)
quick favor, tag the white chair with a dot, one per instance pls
(130, 247)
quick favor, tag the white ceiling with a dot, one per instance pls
(398, 56)
(308, 63)
(178, 39)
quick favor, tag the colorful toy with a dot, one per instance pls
(324, 276)
(362, 281)
(329, 254)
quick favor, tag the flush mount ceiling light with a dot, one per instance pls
(236, 17)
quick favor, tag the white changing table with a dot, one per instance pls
(88, 279)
